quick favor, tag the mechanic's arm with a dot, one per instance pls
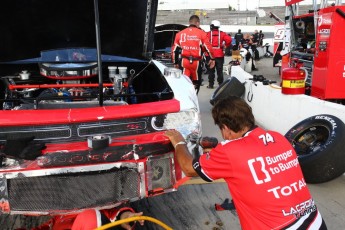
(184, 158)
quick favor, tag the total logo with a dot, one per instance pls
(283, 191)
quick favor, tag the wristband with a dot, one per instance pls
(180, 143)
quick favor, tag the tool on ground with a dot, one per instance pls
(226, 205)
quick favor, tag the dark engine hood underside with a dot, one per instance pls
(31, 26)
(165, 35)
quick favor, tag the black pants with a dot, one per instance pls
(212, 72)
(256, 52)
(198, 83)
(249, 57)
(268, 52)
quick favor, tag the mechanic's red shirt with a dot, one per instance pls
(191, 40)
(219, 41)
(264, 178)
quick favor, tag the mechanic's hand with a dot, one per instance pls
(211, 63)
(129, 214)
(174, 136)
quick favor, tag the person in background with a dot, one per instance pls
(260, 168)
(229, 48)
(261, 38)
(193, 42)
(219, 40)
(247, 43)
(255, 39)
(238, 37)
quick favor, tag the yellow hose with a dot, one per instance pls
(134, 218)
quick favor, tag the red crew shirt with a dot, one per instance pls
(192, 42)
(219, 41)
(264, 179)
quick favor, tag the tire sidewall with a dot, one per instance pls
(327, 161)
(230, 87)
(331, 122)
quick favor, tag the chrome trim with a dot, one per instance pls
(91, 126)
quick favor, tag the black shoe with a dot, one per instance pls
(255, 69)
(210, 87)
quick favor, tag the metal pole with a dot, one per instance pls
(238, 10)
(99, 54)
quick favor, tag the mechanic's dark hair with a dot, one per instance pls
(233, 112)
(194, 19)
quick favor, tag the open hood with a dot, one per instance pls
(165, 35)
(31, 26)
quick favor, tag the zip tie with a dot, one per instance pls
(180, 143)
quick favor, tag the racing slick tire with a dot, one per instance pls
(230, 87)
(319, 143)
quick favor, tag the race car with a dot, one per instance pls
(84, 107)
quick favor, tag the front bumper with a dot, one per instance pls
(64, 190)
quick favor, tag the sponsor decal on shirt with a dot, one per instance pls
(190, 48)
(287, 190)
(302, 209)
(281, 162)
(271, 165)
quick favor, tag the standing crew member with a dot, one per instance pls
(261, 38)
(238, 37)
(219, 41)
(247, 43)
(192, 42)
(255, 39)
(260, 167)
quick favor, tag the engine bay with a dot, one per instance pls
(70, 78)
